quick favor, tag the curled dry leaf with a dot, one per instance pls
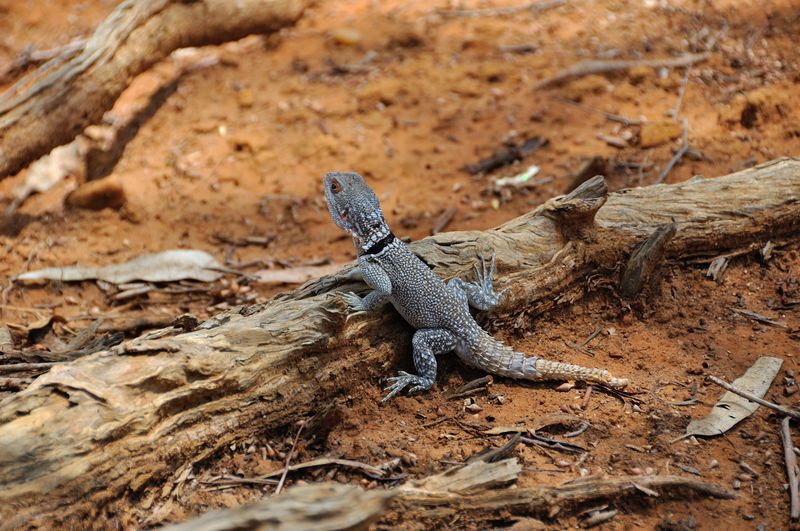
(732, 408)
(166, 266)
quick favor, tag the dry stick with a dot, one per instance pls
(678, 154)
(753, 398)
(624, 120)
(499, 11)
(586, 68)
(791, 467)
(289, 460)
(19, 367)
(645, 260)
(676, 111)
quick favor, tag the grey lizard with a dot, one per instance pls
(438, 310)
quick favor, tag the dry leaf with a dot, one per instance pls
(166, 266)
(732, 408)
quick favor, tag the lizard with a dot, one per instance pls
(439, 311)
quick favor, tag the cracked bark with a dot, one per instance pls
(105, 427)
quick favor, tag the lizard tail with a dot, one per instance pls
(491, 355)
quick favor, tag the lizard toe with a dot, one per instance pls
(355, 302)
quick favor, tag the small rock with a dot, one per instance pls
(713, 464)
(345, 36)
(97, 195)
(246, 98)
(657, 133)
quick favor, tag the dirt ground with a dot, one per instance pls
(408, 96)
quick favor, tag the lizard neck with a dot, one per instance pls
(380, 245)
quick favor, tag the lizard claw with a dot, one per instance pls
(403, 379)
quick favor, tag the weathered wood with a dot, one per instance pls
(73, 90)
(476, 486)
(644, 261)
(318, 507)
(111, 424)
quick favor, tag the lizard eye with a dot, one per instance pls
(336, 186)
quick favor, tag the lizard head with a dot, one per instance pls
(355, 208)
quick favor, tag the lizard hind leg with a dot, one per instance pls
(427, 343)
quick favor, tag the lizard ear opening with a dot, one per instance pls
(336, 186)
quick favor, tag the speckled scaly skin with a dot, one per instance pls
(439, 311)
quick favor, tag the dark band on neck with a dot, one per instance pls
(381, 244)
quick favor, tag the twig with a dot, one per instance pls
(593, 335)
(583, 427)
(579, 348)
(753, 398)
(678, 154)
(19, 367)
(553, 444)
(587, 397)
(624, 120)
(586, 68)
(232, 480)
(500, 11)
(676, 111)
(471, 388)
(289, 460)
(492, 455)
(444, 220)
(645, 260)
(791, 468)
(758, 317)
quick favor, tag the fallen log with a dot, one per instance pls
(52, 105)
(110, 425)
(476, 486)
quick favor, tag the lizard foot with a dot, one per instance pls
(355, 303)
(403, 379)
(485, 276)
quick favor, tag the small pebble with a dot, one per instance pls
(345, 36)
(737, 484)
(713, 464)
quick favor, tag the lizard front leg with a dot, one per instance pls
(428, 343)
(480, 295)
(376, 278)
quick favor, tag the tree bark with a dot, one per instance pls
(109, 425)
(56, 102)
